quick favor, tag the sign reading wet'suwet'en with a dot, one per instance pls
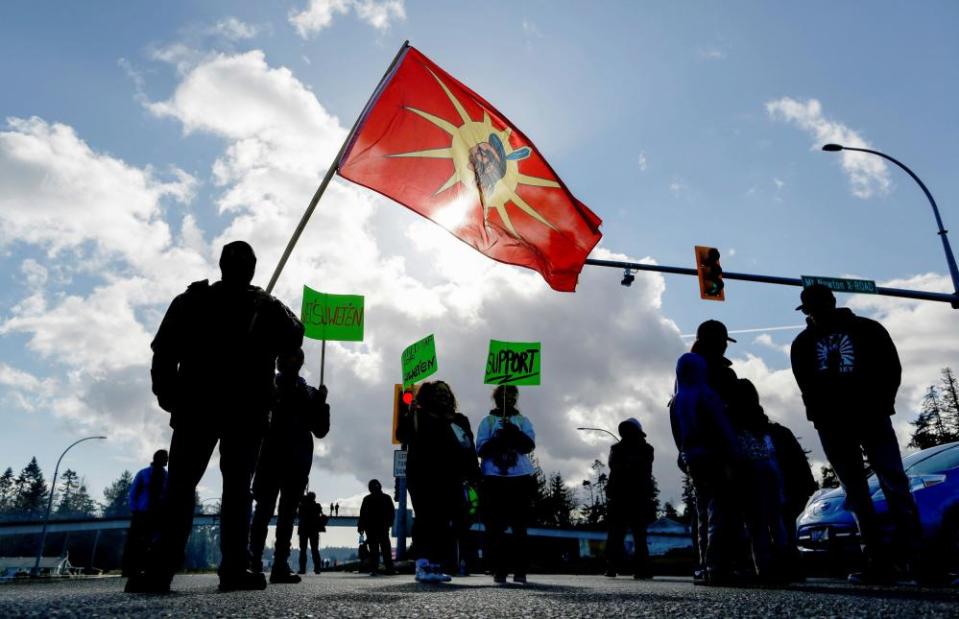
(513, 363)
(419, 361)
(332, 316)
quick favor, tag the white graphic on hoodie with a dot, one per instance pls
(835, 354)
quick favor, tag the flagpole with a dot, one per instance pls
(329, 176)
(322, 361)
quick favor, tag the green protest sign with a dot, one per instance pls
(419, 361)
(512, 363)
(332, 316)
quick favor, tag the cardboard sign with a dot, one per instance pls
(512, 363)
(419, 361)
(332, 316)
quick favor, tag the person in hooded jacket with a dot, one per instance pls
(629, 494)
(440, 458)
(759, 485)
(504, 440)
(298, 413)
(147, 493)
(214, 359)
(311, 521)
(848, 371)
(376, 518)
(708, 450)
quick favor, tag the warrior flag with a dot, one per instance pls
(435, 146)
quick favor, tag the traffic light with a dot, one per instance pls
(402, 399)
(711, 286)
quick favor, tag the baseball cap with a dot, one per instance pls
(816, 295)
(713, 330)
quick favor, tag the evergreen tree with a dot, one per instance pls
(828, 477)
(32, 491)
(930, 425)
(117, 496)
(689, 502)
(561, 501)
(949, 386)
(653, 509)
(670, 512)
(7, 490)
(69, 484)
(83, 503)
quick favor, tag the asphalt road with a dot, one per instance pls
(349, 595)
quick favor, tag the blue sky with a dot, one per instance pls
(138, 137)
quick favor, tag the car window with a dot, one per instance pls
(943, 461)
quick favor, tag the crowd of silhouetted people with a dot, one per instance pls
(226, 366)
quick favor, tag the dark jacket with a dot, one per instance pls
(215, 352)
(719, 374)
(376, 513)
(630, 473)
(311, 518)
(434, 452)
(698, 418)
(297, 414)
(847, 368)
(798, 480)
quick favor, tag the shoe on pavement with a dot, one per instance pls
(146, 583)
(699, 576)
(610, 574)
(873, 577)
(242, 581)
(423, 572)
(519, 579)
(284, 577)
(499, 579)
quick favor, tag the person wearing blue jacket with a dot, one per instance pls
(504, 441)
(147, 493)
(708, 449)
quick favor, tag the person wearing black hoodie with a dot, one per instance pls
(849, 372)
(298, 413)
(629, 494)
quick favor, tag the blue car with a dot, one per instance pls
(827, 527)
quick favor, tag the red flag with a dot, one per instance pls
(432, 144)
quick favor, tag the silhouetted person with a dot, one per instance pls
(504, 440)
(312, 523)
(759, 485)
(376, 518)
(147, 494)
(708, 450)
(336, 510)
(438, 462)
(848, 371)
(299, 412)
(629, 495)
(331, 510)
(214, 358)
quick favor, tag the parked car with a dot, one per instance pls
(827, 527)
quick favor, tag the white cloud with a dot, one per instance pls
(234, 29)
(379, 14)
(642, 161)
(530, 29)
(678, 186)
(868, 175)
(713, 53)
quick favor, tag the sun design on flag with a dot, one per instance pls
(484, 160)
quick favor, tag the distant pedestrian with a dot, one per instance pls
(147, 494)
(708, 451)
(336, 510)
(312, 522)
(759, 485)
(214, 359)
(298, 413)
(436, 467)
(849, 372)
(504, 440)
(331, 510)
(629, 493)
(376, 518)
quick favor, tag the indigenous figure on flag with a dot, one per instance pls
(432, 144)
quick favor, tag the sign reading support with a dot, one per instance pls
(419, 361)
(399, 463)
(332, 316)
(513, 363)
(864, 286)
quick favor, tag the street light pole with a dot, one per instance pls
(950, 257)
(53, 487)
(616, 438)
